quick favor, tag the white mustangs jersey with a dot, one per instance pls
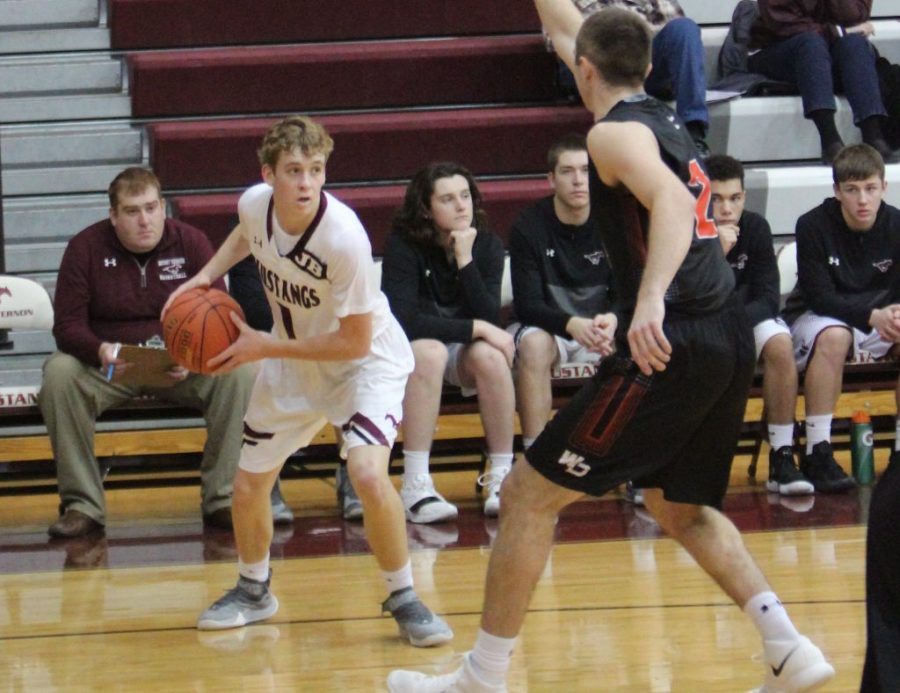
(329, 274)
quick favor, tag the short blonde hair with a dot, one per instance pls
(291, 133)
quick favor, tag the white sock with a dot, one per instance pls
(491, 656)
(770, 617)
(398, 579)
(527, 442)
(781, 435)
(255, 571)
(897, 434)
(500, 460)
(415, 462)
(818, 430)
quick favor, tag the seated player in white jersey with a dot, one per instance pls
(336, 355)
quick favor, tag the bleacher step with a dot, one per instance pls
(27, 342)
(771, 128)
(48, 218)
(63, 73)
(90, 38)
(62, 179)
(222, 153)
(20, 370)
(24, 14)
(69, 143)
(379, 74)
(34, 257)
(84, 106)
(720, 11)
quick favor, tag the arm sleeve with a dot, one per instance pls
(763, 297)
(527, 283)
(71, 324)
(818, 286)
(401, 282)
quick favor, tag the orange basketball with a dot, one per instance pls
(198, 327)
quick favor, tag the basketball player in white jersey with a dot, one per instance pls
(335, 355)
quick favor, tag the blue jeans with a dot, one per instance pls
(816, 67)
(677, 55)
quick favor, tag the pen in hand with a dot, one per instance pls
(110, 369)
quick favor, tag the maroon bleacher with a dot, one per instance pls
(175, 23)
(375, 205)
(368, 147)
(380, 74)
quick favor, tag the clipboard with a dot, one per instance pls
(148, 367)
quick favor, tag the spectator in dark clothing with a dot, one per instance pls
(820, 46)
(747, 241)
(847, 301)
(442, 272)
(561, 282)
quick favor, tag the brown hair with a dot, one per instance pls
(294, 132)
(413, 220)
(132, 181)
(573, 142)
(617, 42)
(857, 162)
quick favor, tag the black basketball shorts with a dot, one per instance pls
(676, 430)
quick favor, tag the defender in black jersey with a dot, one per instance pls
(669, 415)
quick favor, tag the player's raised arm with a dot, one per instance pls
(561, 20)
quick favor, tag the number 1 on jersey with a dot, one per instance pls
(703, 225)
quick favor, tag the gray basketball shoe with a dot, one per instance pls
(249, 601)
(416, 621)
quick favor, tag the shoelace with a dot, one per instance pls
(492, 480)
(422, 483)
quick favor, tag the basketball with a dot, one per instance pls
(198, 327)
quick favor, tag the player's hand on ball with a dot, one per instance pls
(199, 280)
(251, 345)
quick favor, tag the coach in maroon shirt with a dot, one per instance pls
(114, 278)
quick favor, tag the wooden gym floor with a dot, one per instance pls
(619, 607)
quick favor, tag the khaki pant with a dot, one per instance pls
(74, 394)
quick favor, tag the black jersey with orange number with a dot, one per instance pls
(704, 281)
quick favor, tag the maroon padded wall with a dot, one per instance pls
(173, 23)
(482, 70)
(368, 147)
